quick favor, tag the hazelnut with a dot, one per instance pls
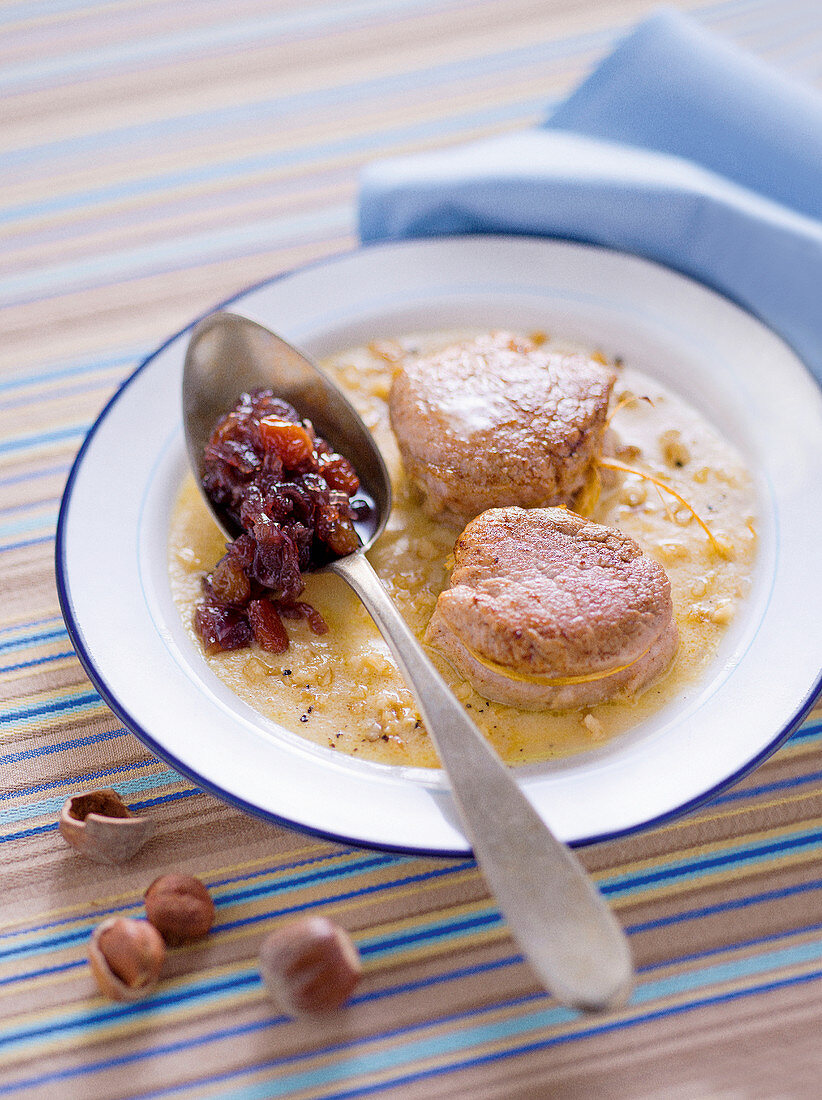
(310, 966)
(126, 957)
(180, 908)
(100, 826)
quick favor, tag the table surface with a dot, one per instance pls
(157, 157)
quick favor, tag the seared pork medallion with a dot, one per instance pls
(498, 420)
(547, 609)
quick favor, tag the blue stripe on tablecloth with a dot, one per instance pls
(78, 782)
(44, 806)
(24, 10)
(63, 746)
(354, 867)
(728, 906)
(39, 439)
(335, 899)
(36, 531)
(250, 165)
(808, 732)
(368, 1061)
(36, 637)
(24, 544)
(750, 791)
(20, 12)
(187, 251)
(335, 853)
(233, 33)
(365, 1063)
(289, 105)
(36, 662)
(258, 1025)
(51, 827)
(60, 393)
(387, 944)
(42, 972)
(280, 884)
(254, 1093)
(376, 89)
(673, 871)
(28, 712)
(47, 374)
(143, 260)
(34, 475)
(28, 506)
(25, 528)
(736, 855)
(245, 1029)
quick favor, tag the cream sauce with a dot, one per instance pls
(343, 690)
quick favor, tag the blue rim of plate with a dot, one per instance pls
(110, 698)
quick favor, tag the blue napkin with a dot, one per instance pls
(679, 147)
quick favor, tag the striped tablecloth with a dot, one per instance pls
(158, 156)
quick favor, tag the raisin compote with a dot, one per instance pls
(290, 495)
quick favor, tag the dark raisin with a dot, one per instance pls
(229, 582)
(222, 627)
(302, 610)
(269, 632)
(339, 473)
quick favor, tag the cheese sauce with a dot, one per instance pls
(343, 690)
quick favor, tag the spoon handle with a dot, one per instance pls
(555, 913)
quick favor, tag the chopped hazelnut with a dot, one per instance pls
(374, 732)
(699, 587)
(594, 726)
(722, 612)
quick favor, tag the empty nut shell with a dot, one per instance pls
(126, 957)
(310, 966)
(100, 826)
(180, 908)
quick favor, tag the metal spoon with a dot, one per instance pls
(555, 913)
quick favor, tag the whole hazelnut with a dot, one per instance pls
(100, 826)
(180, 908)
(126, 957)
(310, 966)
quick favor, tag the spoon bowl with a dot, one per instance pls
(554, 912)
(229, 354)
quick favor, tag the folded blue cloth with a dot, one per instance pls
(679, 147)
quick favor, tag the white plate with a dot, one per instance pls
(111, 545)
